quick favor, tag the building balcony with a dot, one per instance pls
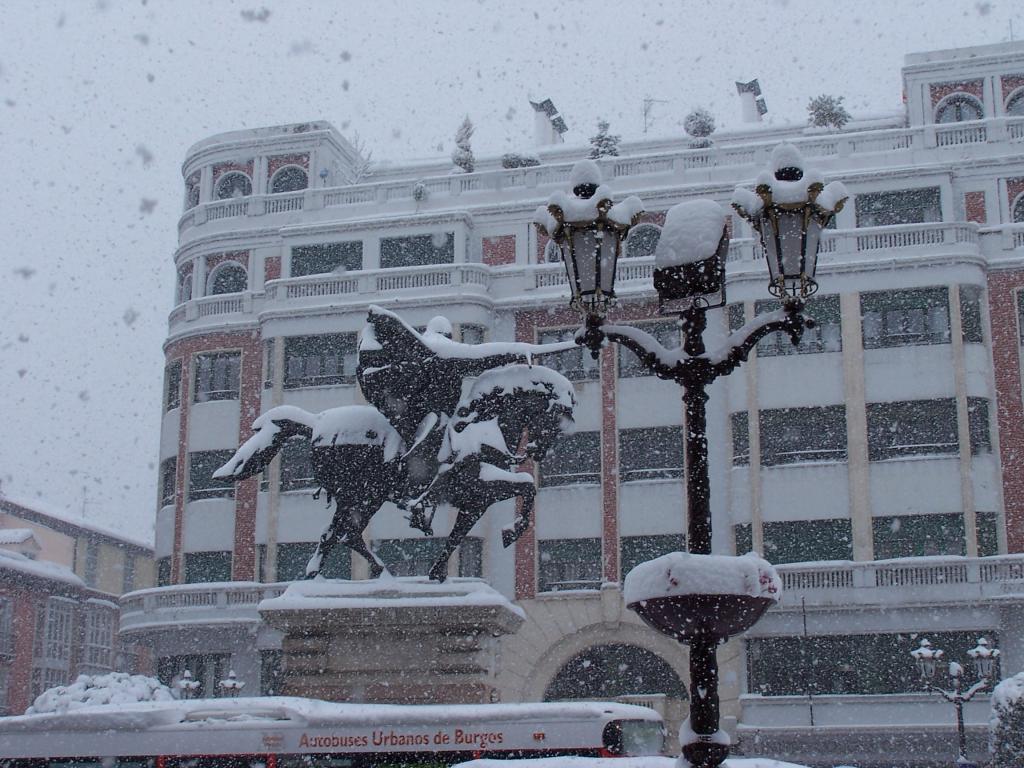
(192, 606)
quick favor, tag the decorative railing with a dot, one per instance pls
(282, 203)
(219, 305)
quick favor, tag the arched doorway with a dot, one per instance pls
(612, 671)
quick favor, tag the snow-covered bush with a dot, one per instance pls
(827, 112)
(97, 690)
(604, 143)
(1007, 723)
(462, 155)
(699, 124)
(518, 160)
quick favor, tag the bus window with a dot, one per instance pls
(217, 761)
(313, 761)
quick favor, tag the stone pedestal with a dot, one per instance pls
(398, 641)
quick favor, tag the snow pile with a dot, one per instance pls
(621, 762)
(99, 690)
(682, 573)
(510, 379)
(1007, 723)
(386, 592)
(692, 233)
(15, 561)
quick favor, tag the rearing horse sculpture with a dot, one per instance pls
(422, 442)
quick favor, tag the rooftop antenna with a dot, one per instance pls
(649, 108)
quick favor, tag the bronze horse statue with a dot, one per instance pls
(422, 442)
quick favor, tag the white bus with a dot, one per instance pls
(283, 732)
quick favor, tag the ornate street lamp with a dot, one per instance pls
(983, 656)
(187, 687)
(690, 280)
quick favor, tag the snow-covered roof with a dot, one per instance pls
(16, 535)
(15, 561)
(65, 522)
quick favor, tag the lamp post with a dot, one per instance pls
(790, 207)
(983, 657)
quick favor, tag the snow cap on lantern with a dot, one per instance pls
(589, 231)
(689, 262)
(789, 208)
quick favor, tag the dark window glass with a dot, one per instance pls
(128, 573)
(417, 250)
(575, 458)
(473, 334)
(297, 466)
(217, 376)
(172, 385)
(825, 336)
(793, 435)
(184, 287)
(902, 206)
(329, 257)
(977, 425)
(736, 316)
(918, 536)
(575, 364)
(609, 671)
(316, 361)
(201, 483)
(1020, 315)
(740, 438)
(233, 185)
(744, 538)
(988, 533)
(202, 567)
(1015, 106)
(271, 673)
(799, 541)
(569, 564)
(163, 571)
(292, 559)
(902, 318)
(959, 108)
(642, 241)
(291, 178)
(1018, 210)
(667, 334)
(229, 278)
(408, 557)
(970, 314)
(634, 550)
(471, 557)
(849, 664)
(912, 428)
(168, 480)
(650, 453)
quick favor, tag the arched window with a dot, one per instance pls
(642, 241)
(958, 108)
(234, 184)
(1015, 104)
(291, 178)
(184, 287)
(608, 671)
(1018, 209)
(552, 253)
(229, 277)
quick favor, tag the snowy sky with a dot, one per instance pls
(99, 100)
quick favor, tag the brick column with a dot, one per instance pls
(243, 562)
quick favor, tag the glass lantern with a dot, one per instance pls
(926, 658)
(984, 656)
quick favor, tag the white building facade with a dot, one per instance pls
(881, 462)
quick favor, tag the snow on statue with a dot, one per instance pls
(421, 442)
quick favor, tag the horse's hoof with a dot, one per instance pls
(311, 575)
(376, 571)
(439, 573)
(508, 538)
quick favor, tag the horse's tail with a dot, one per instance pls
(273, 429)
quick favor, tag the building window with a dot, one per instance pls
(163, 571)
(799, 541)
(797, 435)
(292, 559)
(905, 318)
(206, 567)
(99, 640)
(987, 524)
(651, 453)
(172, 385)
(417, 250)
(634, 550)
(736, 316)
(228, 277)
(740, 424)
(1018, 210)
(408, 557)
(849, 664)
(6, 628)
(51, 663)
(184, 287)
(912, 428)
(168, 480)
(5, 687)
(327, 257)
(569, 564)
(291, 178)
(642, 241)
(207, 669)
(575, 458)
(92, 561)
(318, 361)
(271, 673)
(201, 483)
(473, 334)
(825, 336)
(552, 253)
(218, 376)
(918, 536)
(667, 334)
(128, 572)
(959, 108)
(232, 185)
(977, 425)
(297, 466)
(471, 557)
(970, 314)
(900, 206)
(1015, 104)
(575, 364)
